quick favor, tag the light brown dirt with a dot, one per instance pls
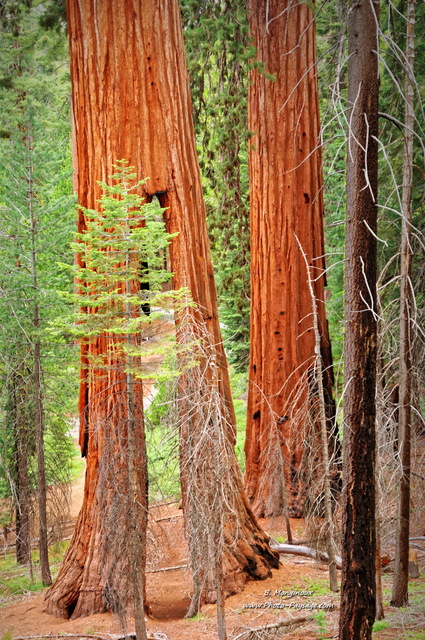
(169, 593)
(77, 493)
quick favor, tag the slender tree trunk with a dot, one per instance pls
(326, 463)
(131, 100)
(286, 202)
(136, 474)
(380, 615)
(380, 420)
(39, 414)
(358, 543)
(41, 468)
(221, 608)
(137, 510)
(23, 493)
(19, 394)
(399, 596)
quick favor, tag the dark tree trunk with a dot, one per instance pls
(38, 393)
(399, 596)
(131, 100)
(23, 491)
(23, 498)
(286, 202)
(41, 467)
(358, 543)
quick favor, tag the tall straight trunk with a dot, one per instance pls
(358, 542)
(137, 479)
(286, 202)
(380, 615)
(38, 394)
(19, 383)
(136, 508)
(131, 100)
(327, 478)
(41, 466)
(23, 491)
(401, 570)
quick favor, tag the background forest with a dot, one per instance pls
(39, 357)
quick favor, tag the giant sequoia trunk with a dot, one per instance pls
(358, 536)
(131, 100)
(286, 207)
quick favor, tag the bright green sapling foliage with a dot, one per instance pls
(121, 272)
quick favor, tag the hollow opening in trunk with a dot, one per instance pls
(71, 608)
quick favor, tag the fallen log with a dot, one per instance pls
(301, 550)
(272, 627)
(179, 515)
(180, 566)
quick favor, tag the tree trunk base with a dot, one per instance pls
(95, 576)
(77, 592)
(247, 556)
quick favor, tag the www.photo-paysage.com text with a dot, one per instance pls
(287, 605)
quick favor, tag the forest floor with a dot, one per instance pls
(168, 592)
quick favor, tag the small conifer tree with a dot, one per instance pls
(120, 299)
(121, 269)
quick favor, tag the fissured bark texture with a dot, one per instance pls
(286, 202)
(358, 508)
(130, 98)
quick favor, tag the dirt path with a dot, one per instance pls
(77, 494)
(169, 594)
(169, 591)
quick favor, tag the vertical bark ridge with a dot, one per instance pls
(286, 202)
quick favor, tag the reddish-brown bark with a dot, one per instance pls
(286, 203)
(131, 100)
